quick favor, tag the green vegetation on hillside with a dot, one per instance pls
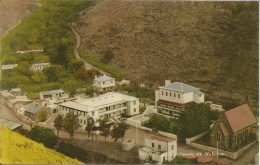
(47, 28)
(103, 65)
(16, 149)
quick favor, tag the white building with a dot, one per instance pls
(103, 84)
(39, 66)
(158, 148)
(53, 95)
(110, 105)
(172, 98)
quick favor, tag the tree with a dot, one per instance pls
(58, 123)
(198, 122)
(90, 126)
(42, 116)
(43, 135)
(179, 160)
(104, 127)
(70, 123)
(53, 72)
(75, 65)
(40, 78)
(118, 131)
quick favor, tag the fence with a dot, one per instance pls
(232, 155)
(189, 140)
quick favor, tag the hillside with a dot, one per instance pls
(16, 149)
(12, 11)
(211, 45)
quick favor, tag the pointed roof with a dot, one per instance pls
(240, 117)
(103, 78)
(33, 108)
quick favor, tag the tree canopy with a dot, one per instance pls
(70, 123)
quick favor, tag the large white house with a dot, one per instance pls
(39, 66)
(158, 148)
(110, 105)
(172, 98)
(103, 84)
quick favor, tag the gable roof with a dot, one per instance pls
(182, 87)
(33, 108)
(161, 138)
(240, 117)
(103, 78)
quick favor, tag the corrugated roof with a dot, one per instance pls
(240, 117)
(223, 128)
(52, 92)
(33, 108)
(181, 87)
(103, 78)
(9, 124)
(161, 138)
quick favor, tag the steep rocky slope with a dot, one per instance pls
(211, 45)
(12, 11)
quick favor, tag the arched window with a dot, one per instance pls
(217, 136)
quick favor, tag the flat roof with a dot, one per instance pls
(90, 104)
(52, 92)
(42, 64)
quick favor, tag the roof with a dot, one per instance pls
(16, 90)
(223, 128)
(33, 108)
(161, 138)
(104, 78)
(9, 124)
(90, 104)
(42, 64)
(6, 94)
(74, 105)
(19, 100)
(52, 92)
(182, 87)
(240, 117)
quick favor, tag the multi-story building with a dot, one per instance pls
(103, 84)
(172, 98)
(39, 66)
(158, 148)
(110, 105)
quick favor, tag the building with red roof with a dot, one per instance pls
(158, 148)
(232, 128)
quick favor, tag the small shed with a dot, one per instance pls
(128, 144)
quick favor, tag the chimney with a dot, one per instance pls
(167, 82)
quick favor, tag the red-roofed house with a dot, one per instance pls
(232, 128)
(158, 148)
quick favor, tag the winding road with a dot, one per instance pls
(78, 41)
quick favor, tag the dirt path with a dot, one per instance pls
(78, 41)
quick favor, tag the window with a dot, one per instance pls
(104, 82)
(217, 136)
(159, 146)
(170, 94)
(162, 92)
(153, 145)
(84, 121)
(172, 147)
(174, 94)
(179, 95)
(92, 113)
(166, 93)
(134, 102)
(134, 109)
